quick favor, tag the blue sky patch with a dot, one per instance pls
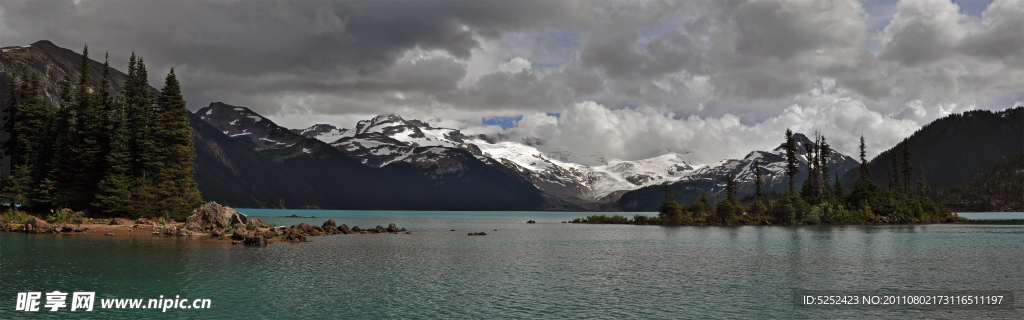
(504, 122)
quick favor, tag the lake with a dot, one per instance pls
(543, 270)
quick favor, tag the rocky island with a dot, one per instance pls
(210, 220)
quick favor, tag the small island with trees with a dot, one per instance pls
(903, 200)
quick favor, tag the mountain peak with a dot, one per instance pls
(42, 43)
(801, 140)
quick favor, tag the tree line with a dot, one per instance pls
(819, 201)
(122, 154)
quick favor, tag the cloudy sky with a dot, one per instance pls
(628, 79)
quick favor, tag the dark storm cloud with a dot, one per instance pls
(319, 42)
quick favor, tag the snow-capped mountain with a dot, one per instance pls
(248, 126)
(574, 180)
(389, 139)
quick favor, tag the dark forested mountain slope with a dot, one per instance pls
(951, 150)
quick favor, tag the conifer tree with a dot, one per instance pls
(116, 196)
(824, 151)
(670, 211)
(175, 186)
(792, 167)
(730, 188)
(28, 120)
(864, 173)
(758, 192)
(74, 160)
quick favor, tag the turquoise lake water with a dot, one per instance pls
(543, 270)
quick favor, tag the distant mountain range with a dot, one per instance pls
(244, 159)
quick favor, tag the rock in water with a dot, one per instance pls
(255, 241)
(329, 223)
(392, 227)
(215, 216)
(36, 225)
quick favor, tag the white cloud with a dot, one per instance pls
(515, 65)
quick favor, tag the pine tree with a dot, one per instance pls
(74, 159)
(140, 115)
(29, 120)
(670, 211)
(176, 186)
(730, 188)
(824, 151)
(116, 196)
(864, 173)
(758, 193)
(792, 167)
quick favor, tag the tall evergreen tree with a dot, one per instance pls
(730, 188)
(824, 151)
(116, 196)
(758, 192)
(29, 120)
(792, 167)
(175, 186)
(864, 173)
(670, 211)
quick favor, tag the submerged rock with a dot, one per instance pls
(481, 233)
(255, 241)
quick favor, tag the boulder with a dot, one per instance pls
(356, 229)
(380, 229)
(329, 223)
(183, 232)
(66, 228)
(169, 231)
(481, 233)
(392, 227)
(118, 222)
(76, 217)
(295, 236)
(143, 221)
(255, 241)
(344, 229)
(257, 223)
(238, 235)
(330, 230)
(212, 215)
(36, 225)
(531, 221)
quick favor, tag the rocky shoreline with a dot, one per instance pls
(211, 220)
